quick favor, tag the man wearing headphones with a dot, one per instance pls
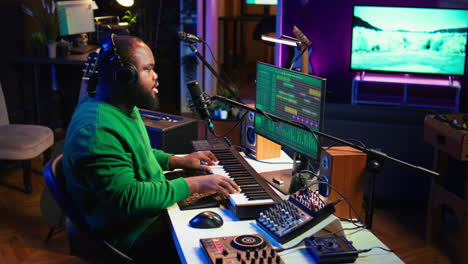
(112, 173)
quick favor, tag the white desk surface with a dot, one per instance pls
(187, 239)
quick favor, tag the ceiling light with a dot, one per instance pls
(126, 3)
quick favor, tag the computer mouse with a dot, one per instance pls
(206, 219)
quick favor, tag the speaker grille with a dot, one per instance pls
(250, 135)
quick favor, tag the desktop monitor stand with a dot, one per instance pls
(282, 179)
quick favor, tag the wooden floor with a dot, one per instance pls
(23, 229)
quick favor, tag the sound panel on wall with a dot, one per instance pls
(256, 146)
(343, 167)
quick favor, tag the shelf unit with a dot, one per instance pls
(406, 90)
(189, 65)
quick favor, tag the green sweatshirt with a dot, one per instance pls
(112, 173)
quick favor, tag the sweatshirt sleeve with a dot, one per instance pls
(162, 158)
(107, 169)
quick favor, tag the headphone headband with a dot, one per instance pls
(122, 72)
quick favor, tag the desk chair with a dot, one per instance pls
(84, 242)
(23, 142)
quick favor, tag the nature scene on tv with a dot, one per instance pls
(409, 40)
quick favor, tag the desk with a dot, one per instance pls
(187, 238)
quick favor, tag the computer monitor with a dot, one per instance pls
(293, 96)
(75, 17)
(262, 2)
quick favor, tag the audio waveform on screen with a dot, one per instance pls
(279, 132)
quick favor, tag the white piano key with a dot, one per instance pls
(241, 199)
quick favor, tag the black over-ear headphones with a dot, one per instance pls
(122, 72)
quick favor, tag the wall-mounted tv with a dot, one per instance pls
(409, 40)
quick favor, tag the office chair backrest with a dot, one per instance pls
(55, 181)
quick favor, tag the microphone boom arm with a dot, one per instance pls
(218, 77)
(374, 160)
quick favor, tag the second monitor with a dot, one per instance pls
(293, 96)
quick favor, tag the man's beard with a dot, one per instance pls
(144, 98)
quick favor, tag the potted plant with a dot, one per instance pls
(221, 110)
(46, 18)
(132, 19)
(39, 44)
(225, 109)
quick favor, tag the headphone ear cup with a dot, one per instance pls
(127, 74)
(123, 73)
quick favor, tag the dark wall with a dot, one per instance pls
(328, 25)
(397, 132)
(167, 54)
(12, 44)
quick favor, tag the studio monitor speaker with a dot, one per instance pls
(257, 146)
(343, 167)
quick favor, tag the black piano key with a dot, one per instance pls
(224, 162)
(244, 178)
(232, 161)
(252, 191)
(258, 197)
(252, 194)
(233, 168)
(236, 171)
(246, 183)
(240, 174)
(248, 186)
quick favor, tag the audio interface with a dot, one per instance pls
(326, 250)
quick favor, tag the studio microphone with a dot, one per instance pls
(187, 37)
(200, 102)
